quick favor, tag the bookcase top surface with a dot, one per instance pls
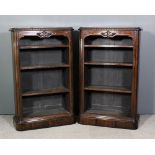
(112, 28)
(40, 28)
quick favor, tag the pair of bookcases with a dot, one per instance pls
(108, 73)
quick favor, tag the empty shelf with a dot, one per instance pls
(109, 46)
(107, 89)
(44, 67)
(42, 46)
(109, 64)
(45, 92)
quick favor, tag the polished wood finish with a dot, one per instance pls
(43, 46)
(43, 67)
(109, 64)
(109, 118)
(104, 89)
(45, 92)
(21, 121)
(43, 122)
(108, 46)
(109, 121)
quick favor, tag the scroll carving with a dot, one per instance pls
(44, 34)
(108, 34)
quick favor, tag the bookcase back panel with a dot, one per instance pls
(34, 57)
(108, 103)
(43, 79)
(109, 55)
(99, 40)
(108, 76)
(44, 105)
(34, 40)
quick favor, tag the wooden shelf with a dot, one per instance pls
(45, 92)
(43, 67)
(42, 46)
(116, 64)
(108, 89)
(109, 46)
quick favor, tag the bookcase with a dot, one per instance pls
(109, 76)
(43, 77)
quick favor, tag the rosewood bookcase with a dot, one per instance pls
(109, 76)
(43, 77)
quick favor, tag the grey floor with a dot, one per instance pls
(146, 130)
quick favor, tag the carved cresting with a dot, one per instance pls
(45, 34)
(108, 34)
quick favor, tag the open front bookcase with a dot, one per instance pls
(109, 76)
(43, 77)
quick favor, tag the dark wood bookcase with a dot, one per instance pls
(109, 76)
(43, 77)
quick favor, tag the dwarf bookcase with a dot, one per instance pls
(109, 76)
(43, 77)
